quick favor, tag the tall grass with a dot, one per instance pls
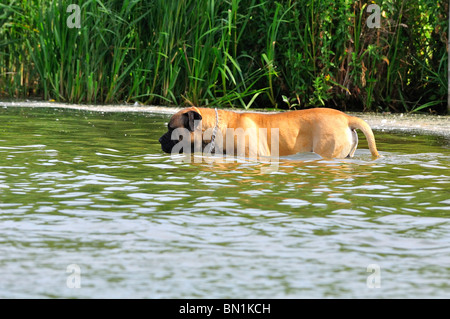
(236, 53)
(332, 58)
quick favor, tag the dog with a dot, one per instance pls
(327, 132)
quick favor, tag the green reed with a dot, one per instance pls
(235, 53)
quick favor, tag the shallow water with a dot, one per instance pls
(94, 190)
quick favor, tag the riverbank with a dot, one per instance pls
(407, 123)
(237, 53)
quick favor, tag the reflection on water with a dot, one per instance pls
(95, 190)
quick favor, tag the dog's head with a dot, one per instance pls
(181, 126)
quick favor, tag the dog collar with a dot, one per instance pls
(213, 137)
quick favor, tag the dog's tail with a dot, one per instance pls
(357, 123)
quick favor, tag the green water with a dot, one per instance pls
(94, 190)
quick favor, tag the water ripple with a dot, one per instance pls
(142, 224)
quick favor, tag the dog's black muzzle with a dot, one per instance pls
(167, 143)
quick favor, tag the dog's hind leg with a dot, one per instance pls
(354, 143)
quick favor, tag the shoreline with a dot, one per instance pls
(438, 125)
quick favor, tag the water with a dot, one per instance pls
(94, 191)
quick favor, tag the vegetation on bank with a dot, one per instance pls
(240, 53)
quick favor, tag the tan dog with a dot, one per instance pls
(326, 132)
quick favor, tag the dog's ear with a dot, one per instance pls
(189, 118)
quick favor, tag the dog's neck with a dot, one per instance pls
(213, 136)
(208, 121)
(211, 121)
